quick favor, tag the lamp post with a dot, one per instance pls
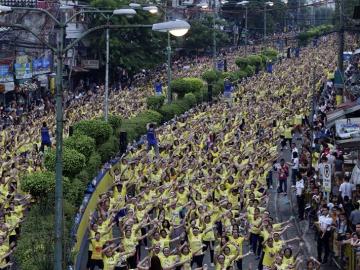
(60, 50)
(270, 4)
(176, 28)
(244, 4)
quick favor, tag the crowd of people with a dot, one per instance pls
(25, 131)
(205, 193)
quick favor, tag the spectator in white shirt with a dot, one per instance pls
(346, 188)
(324, 234)
(300, 196)
(294, 167)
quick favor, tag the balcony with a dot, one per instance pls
(19, 3)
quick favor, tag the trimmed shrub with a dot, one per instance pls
(210, 76)
(108, 149)
(186, 85)
(155, 102)
(201, 95)
(182, 104)
(92, 167)
(35, 248)
(114, 121)
(170, 110)
(270, 54)
(151, 116)
(249, 70)
(84, 175)
(96, 129)
(41, 184)
(218, 87)
(241, 62)
(73, 161)
(81, 143)
(75, 194)
(190, 99)
(255, 60)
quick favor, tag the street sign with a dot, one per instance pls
(327, 178)
(90, 64)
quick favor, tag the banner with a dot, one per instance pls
(23, 67)
(158, 88)
(327, 177)
(227, 89)
(6, 74)
(347, 128)
(41, 65)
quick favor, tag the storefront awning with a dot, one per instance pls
(342, 112)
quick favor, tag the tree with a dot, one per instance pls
(200, 35)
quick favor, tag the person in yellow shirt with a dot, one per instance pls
(269, 254)
(96, 256)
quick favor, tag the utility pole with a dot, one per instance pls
(341, 41)
(214, 34)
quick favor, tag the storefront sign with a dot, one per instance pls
(6, 74)
(6, 87)
(327, 178)
(90, 64)
(23, 67)
(348, 128)
(41, 65)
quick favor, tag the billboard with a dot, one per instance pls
(6, 74)
(41, 65)
(23, 67)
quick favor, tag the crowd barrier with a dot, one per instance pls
(101, 183)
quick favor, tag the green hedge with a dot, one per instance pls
(210, 76)
(150, 116)
(255, 60)
(155, 102)
(242, 62)
(96, 129)
(81, 143)
(108, 149)
(306, 36)
(40, 184)
(114, 121)
(186, 85)
(73, 161)
(269, 54)
(190, 99)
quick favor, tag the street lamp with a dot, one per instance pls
(270, 4)
(176, 28)
(244, 4)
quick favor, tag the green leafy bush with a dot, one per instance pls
(249, 70)
(108, 149)
(186, 85)
(155, 102)
(93, 166)
(270, 54)
(97, 129)
(114, 121)
(182, 104)
(41, 184)
(73, 161)
(81, 143)
(241, 62)
(210, 76)
(190, 99)
(35, 247)
(218, 87)
(75, 193)
(170, 110)
(306, 36)
(255, 60)
(201, 95)
(151, 116)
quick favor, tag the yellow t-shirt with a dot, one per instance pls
(268, 259)
(97, 249)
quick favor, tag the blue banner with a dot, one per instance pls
(41, 65)
(6, 74)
